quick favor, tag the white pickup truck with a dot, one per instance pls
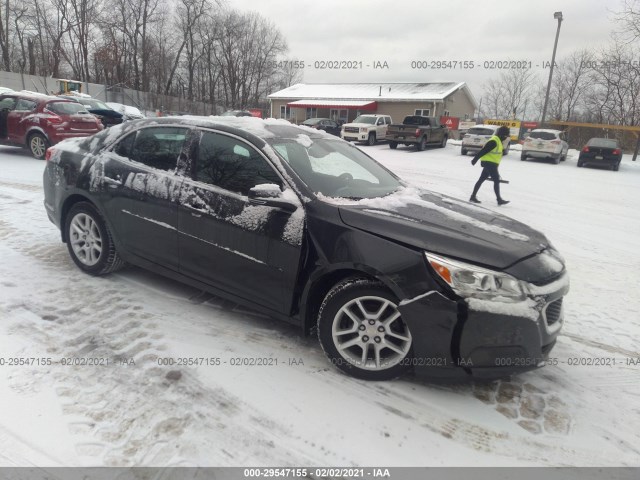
(367, 128)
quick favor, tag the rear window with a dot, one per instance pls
(543, 135)
(480, 131)
(602, 143)
(66, 108)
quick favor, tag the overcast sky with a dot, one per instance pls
(401, 31)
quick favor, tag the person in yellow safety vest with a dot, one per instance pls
(490, 156)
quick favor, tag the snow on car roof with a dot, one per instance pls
(547, 130)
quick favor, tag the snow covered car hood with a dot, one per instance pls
(451, 227)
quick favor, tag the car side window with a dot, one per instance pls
(156, 147)
(124, 146)
(387, 120)
(7, 103)
(380, 121)
(231, 164)
(24, 105)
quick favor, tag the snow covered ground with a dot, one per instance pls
(302, 411)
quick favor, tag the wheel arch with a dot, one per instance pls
(36, 129)
(68, 203)
(318, 287)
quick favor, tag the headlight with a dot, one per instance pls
(475, 282)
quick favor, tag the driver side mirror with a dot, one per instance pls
(270, 195)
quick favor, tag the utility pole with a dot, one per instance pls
(558, 16)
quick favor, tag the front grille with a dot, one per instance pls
(351, 129)
(553, 311)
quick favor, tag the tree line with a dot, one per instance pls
(196, 49)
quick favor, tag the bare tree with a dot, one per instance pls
(628, 21)
(506, 96)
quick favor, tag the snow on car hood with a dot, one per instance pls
(445, 225)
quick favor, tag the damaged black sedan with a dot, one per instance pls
(309, 229)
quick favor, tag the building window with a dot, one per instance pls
(446, 113)
(425, 112)
(285, 112)
(341, 115)
(311, 113)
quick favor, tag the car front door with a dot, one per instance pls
(139, 179)
(248, 250)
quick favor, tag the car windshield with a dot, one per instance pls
(66, 108)
(363, 119)
(95, 104)
(602, 143)
(335, 168)
(480, 131)
(312, 121)
(543, 135)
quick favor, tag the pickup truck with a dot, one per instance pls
(418, 131)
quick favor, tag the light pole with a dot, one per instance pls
(558, 16)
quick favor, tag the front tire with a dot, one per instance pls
(444, 142)
(90, 242)
(362, 332)
(371, 140)
(38, 145)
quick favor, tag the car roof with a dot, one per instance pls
(547, 130)
(485, 125)
(254, 129)
(34, 96)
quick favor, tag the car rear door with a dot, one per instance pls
(141, 178)
(18, 119)
(248, 250)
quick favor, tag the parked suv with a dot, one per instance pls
(37, 121)
(368, 128)
(546, 144)
(309, 229)
(477, 136)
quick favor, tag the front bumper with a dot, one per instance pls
(454, 339)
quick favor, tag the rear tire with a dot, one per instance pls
(420, 146)
(90, 242)
(556, 160)
(444, 142)
(393, 145)
(362, 332)
(580, 163)
(463, 151)
(523, 156)
(38, 145)
(616, 167)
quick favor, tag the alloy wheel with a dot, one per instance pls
(85, 239)
(370, 333)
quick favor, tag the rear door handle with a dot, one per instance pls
(113, 183)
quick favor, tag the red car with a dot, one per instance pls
(37, 121)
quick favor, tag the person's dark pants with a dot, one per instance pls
(489, 170)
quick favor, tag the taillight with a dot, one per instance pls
(585, 149)
(617, 151)
(418, 132)
(48, 153)
(555, 142)
(52, 118)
